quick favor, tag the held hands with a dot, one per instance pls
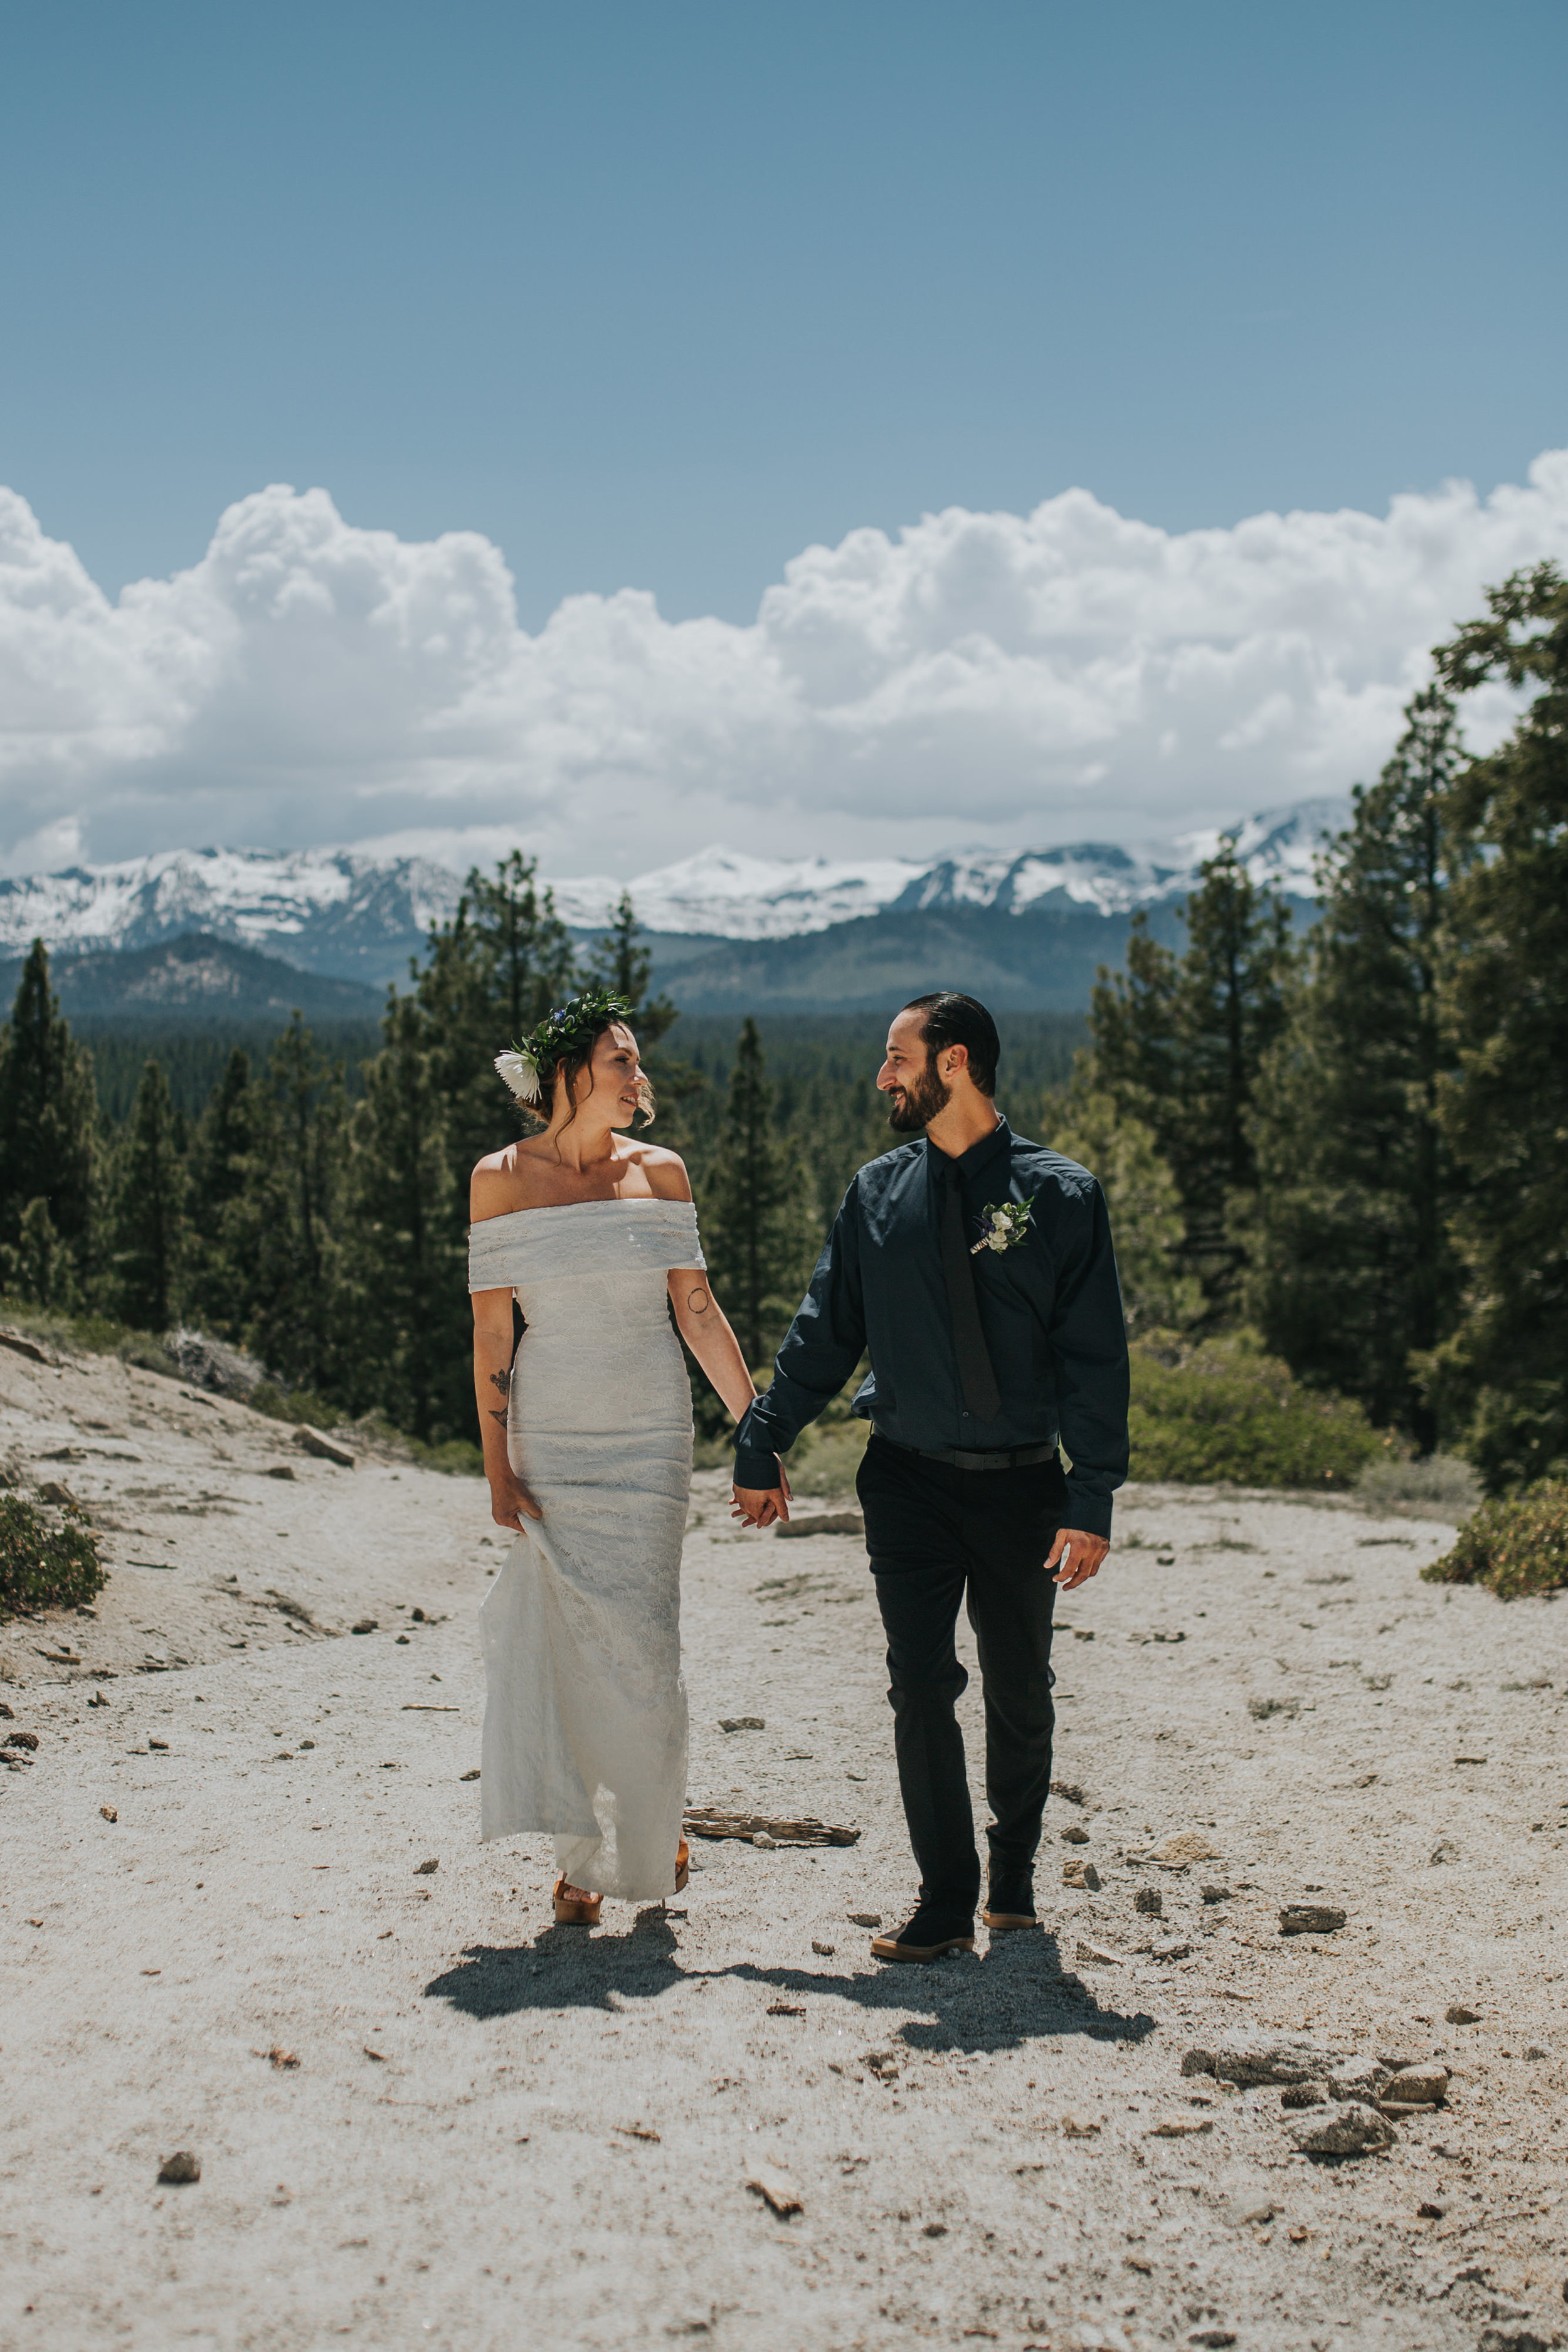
(1075, 1557)
(510, 1502)
(759, 1506)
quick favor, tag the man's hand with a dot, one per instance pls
(1075, 1557)
(510, 1502)
(759, 1506)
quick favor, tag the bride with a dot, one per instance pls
(587, 1439)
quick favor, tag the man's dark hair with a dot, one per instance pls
(954, 1019)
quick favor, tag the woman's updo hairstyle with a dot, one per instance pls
(561, 1048)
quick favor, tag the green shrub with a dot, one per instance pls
(92, 1335)
(1224, 1413)
(1442, 1479)
(45, 1565)
(1514, 1544)
(455, 1456)
(293, 1404)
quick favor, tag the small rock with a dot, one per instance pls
(316, 1442)
(1073, 1835)
(56, 1491)
(109, 1812)
(1350, 2129)
(1508, 2338)
(1252, 2062)
(403, 1641)
(760, 1838)
(1181, 2127)
(1304, 2094)
(1079, 2126)
(97, 1698)
(1310, 1919)
(1070, 1790)
(1216, 1893)
(27, 1740)
(742, 1723)
(184, 2165)
(157, 1743)
(934, 2230)
(280, 2058)
(281, 1470)
(426, 1869)
(1261, 1710)
(1150, 1902)
(1428, 2212)
(363, 1625)
(1171, 1948)
(1216, 2337)
(472, 1775)
(777, 2189)
(1536, 2055)
(1444, 1851)
(824, 1951)
(1098, 1956)
(1187, 1845)
(1081, 1873)
(8, 1713)
(864, 1919)
(1361, 2078)
(1457, 2014)
(1417, 2086)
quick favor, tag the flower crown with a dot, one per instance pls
(530, 1065)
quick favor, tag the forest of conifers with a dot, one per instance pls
(1344, 1145)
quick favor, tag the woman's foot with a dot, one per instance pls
(574, 1906)
(682, 1865)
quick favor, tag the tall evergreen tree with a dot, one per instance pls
(289, 1272)
(756, 1229)
(48, 1115)
(403, 1242)
(621, 963)
(217, 1167)
(1157, 1293)
(493, 973)
(36, 1265)
(1505, 999)
(146, 1225)
(1179, 1042)
(1353, 1272)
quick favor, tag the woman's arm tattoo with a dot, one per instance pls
(501, 1380)
(696, 1301)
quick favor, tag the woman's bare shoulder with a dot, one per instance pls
(665, 1171)
(502, 1181)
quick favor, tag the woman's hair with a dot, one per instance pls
(953, 1020)
(578, 1057)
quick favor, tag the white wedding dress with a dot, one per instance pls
(586, 1710)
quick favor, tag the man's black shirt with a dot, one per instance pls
(1050, 1308)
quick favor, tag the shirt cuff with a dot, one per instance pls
(1086, 1511)
(756, 1468)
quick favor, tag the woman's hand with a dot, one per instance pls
(510, 1502)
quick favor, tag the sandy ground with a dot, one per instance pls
(481, 2130)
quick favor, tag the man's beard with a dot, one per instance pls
(917, 1106)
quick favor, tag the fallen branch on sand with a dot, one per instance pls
(710, 1821)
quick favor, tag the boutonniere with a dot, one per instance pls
(1006, 1227)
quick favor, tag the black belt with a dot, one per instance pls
(1016, 1457)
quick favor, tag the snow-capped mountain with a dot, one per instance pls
(351, 914)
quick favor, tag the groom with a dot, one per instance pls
(977, 1270)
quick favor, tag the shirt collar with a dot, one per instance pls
(978, 1156)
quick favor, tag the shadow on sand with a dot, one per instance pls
(998, 2000)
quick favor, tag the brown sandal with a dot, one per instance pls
(682, 1866)
(577, 1909)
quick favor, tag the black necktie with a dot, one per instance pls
(981, 1394)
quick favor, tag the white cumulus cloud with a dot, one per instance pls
(1030, 679)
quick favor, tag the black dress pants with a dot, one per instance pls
(938, 1534)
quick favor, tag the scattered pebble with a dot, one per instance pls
(1081, 1873)
(864, 1919)
(1350, 2129)
(1098, 1956)
(158, 1743)
(109, 1812)
(1457, 2014)
(1304, 2094)
(1150, 1902)
(29, 1740)
(1073, 1835)
(1310, 1919)
(1216, 1893)
(777, 2189)
(1078, 2127)
(742, 1723)
(280, 1470)
(824, 1951)
(471, 1775)
(1171, 1948)
(1428, 2212)
(1417, 2086)
(424, 1869)
(1445, 1850)
(1181, 2127)
(363, 1625)
(182, 2165)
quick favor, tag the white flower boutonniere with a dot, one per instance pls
(1006, 1227)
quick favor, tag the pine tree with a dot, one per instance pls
(36, 1265)
(1353, 1272)
(1504, 988)
(289, 1274)
(1157, 1294)
(48, 1117)
(755, 1223)
(1179, 1042)
(218, 1167)
(621, 963)
(146, 1223)
(403, 1240)
(494, 971)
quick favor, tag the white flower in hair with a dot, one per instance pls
(520, 1072)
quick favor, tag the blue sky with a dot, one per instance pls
(659, 297)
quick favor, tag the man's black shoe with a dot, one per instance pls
(927, 1937)
(1010, 1902)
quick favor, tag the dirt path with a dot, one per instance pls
(501, 2133)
